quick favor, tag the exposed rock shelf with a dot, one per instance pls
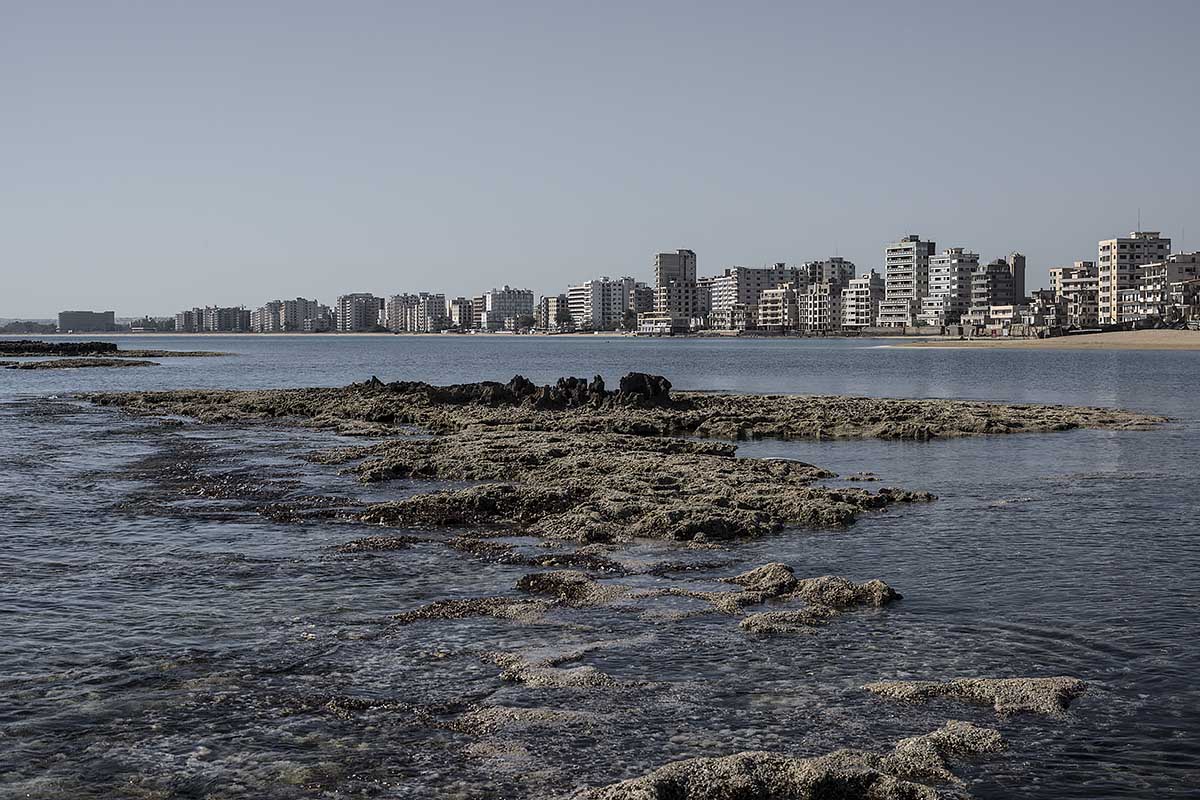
(77, 363)
(911, 771)
(1051, 696)
(643, 405)
(20, 348)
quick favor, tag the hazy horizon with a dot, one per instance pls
(161, 157)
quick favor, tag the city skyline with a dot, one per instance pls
(535, 143)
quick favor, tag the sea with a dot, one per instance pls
(161, 636)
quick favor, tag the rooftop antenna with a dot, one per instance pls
(1139, 227)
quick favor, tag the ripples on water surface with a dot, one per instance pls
(165, 639)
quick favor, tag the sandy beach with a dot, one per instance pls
(1121, 340)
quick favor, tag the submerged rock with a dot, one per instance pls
(1051, 696)
(909, 772)
(498, 607)
(547, 674)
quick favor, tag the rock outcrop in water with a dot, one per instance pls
(603, 487)
(644, 405)
(1051, 696)
(911, 771)
(78, 363)
(29, 347)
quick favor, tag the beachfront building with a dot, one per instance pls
(504, 307)
(676, 295)
(906, 281)
(305, 315)
(1185, 300)
(600, 304)
(641, 298)
(266, 318)
(459, 312)
(478, 303)
(741, 287)
(949, 287)
(1079, 269)
(225, 319)
(1153, 295)
(359, 312)
(821, 307)
(1079, 292)
(778, 309)
(831, 270)
(554, 314)
(423, 312)
(86, 321)
(860, 300)
(1117, 266)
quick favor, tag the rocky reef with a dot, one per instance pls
(21, 348)
(911, 771)
(643, 405)
(78, 363)
(1050, 696)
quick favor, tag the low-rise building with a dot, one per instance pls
(778, 309)
(1155, 281)
(1185, 300)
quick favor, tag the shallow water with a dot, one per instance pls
(165, 639)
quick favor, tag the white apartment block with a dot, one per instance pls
(906, 280)
(835, 270)
(778, 309)
(1117, 267)
(601, 304)
(502, 307)
(861, 299)
(416, 313)
(949, 287)
(821, 307)
(358, 312)
(266, 318)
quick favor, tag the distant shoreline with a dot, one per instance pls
(1118, 340)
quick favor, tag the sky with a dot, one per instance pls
(161, 155)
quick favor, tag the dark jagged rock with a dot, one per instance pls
(378, 544)
(498, 607)
(911, 771)
(33, 347)
(1051, 696)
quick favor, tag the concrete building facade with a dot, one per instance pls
(906, 280)
(860, 300)
(949, 287)
(86, 321)
(676, 294)
(358, 312)
(1117, 266)
(503, 307)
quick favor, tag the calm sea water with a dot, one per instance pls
(160, 641)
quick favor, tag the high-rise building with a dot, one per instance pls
(600, 304)
(478, 304)
(502, 308)
(221, 319)
(415, 313)
(949, 287)
(677, 298)
(554, 313)
(86, 321)
(1117, 267)
(906, 280)
(294, 314)
(860, 301)
(778, 309)
(267, 318)
(821, 307)
(834, 270)
(1016, 265)
(741, 287)
(460, 313)
(358, 312)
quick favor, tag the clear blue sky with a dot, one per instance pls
(165, 154)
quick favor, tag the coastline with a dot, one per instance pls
(1119, 340)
